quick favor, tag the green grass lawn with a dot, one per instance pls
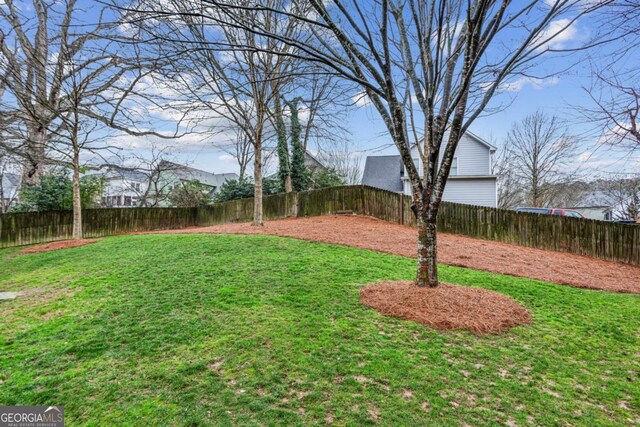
(256, 330)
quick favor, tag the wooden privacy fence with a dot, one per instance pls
(17, 229)
(600, 239)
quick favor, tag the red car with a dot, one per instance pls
(567, 212)
(551, 211)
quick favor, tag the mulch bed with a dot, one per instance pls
(54, 246)
(447, 306)
(496, 257)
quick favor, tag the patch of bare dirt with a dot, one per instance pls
(446, 306)
(462, 251)
(54, 246)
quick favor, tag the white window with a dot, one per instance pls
(454, 167)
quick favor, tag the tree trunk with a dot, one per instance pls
(257, 179)
(427, 251)
(2, 208)
(33, 167)
(288, 187)
(77, 205)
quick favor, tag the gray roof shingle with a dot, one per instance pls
(187, 173)
(384, 172)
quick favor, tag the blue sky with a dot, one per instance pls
(560, 95)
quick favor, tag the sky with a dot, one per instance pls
(561, 95)
(558, 95)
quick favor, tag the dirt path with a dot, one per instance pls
(370, 233)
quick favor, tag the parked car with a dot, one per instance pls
(552, 211)
(627, 221)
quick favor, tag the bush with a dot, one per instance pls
(234, 189)
(325, 178)
(243, 189)
(271, 186)
(55, 192)
(190, 194)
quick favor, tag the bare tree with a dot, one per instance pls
(616, 96)
(35, 72)
(241, 150)
(537, 154)
(429, 68)
(9, 186)
(230, 72)
(78, 126)
(48, 53)
(149, 169)
(324, 99)
(510, 187)
(343, 158)
(624, 196)
(70, 87)
(9, 181)
(158, 187)
(614, 89)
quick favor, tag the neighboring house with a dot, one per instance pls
(10, 183)
(127, 188)
(604, 205)
(470, 179)
(176, 174)
(310, 162)
(123, 187)
(595, 205)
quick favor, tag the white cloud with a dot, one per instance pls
(522, 82)
(558, 35)
(361, 99)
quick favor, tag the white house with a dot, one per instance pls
(174, 174)
(596, 204)
(127, 188)
(470, 179)
(123, 187)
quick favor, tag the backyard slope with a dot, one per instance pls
(382, 236)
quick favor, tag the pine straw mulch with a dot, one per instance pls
(54, 246)
(447, 306)
(496, 257)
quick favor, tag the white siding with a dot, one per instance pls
(473, 160)
(470, 191)
(474, 157)
(600, 213)
(123, 189)
(473, 191)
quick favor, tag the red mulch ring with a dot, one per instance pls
(54, 246)
(462, 251)
(447, 306)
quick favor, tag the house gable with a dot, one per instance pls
(470, 180)
(472, 157)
